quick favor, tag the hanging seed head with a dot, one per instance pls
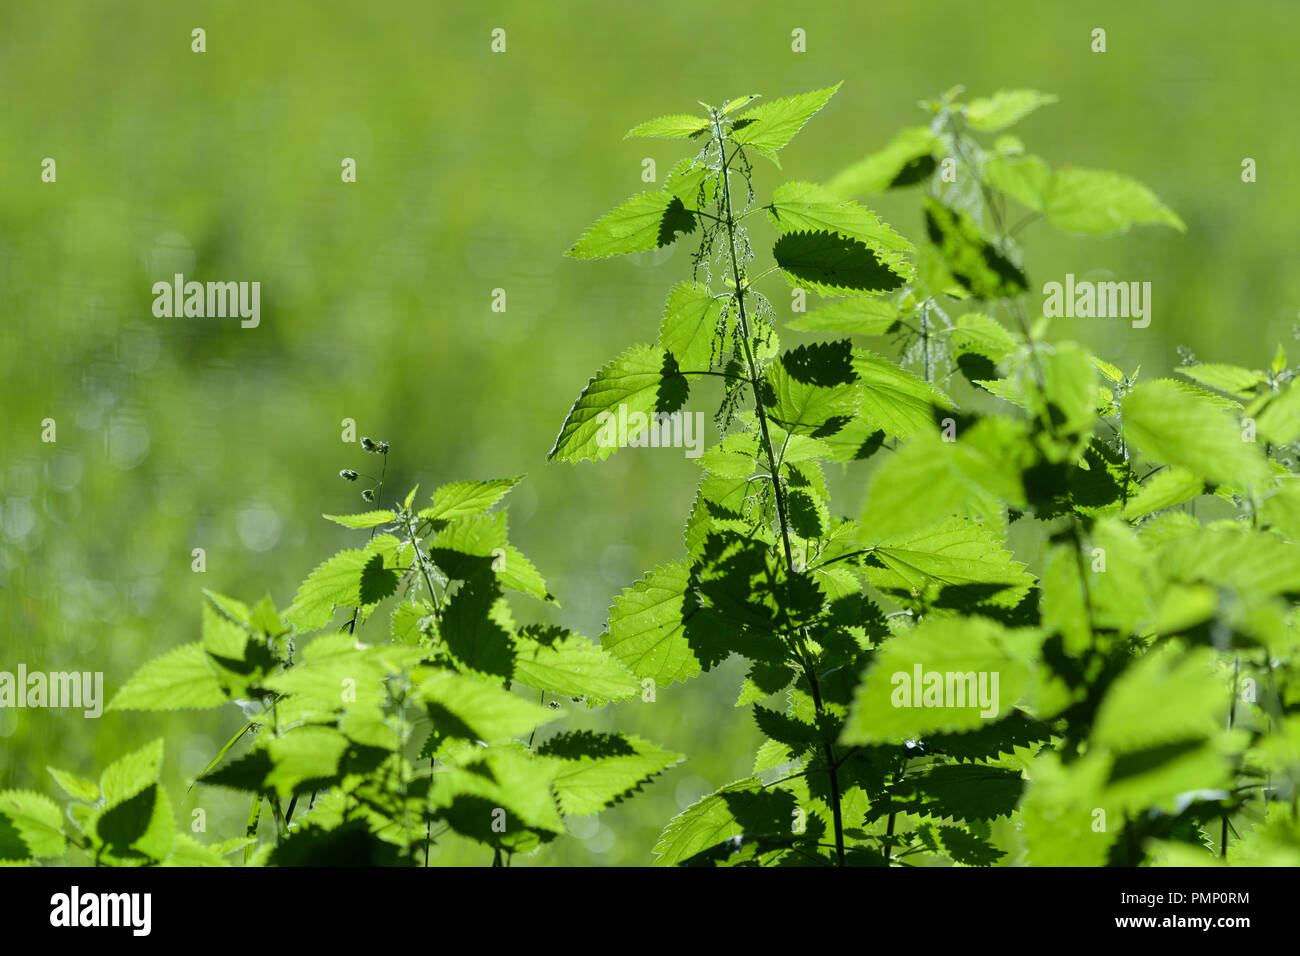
(347, 474)
(368, 494)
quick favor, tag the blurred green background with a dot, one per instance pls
(475, 172)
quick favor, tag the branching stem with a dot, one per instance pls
(777, 489)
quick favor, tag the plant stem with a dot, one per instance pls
(777, 489)
(254, 818)
(925, 338)
(419, 560)
(1232, 714)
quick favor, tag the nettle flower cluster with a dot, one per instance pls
(1143, 666)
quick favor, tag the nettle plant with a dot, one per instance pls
(925, 696)
(368, 753)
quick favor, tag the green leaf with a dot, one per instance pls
(1096, 203)
(1004, 108)
(787, 729)
(377, 581)
(78, 788)
(181, 679)
(648, 626)
(1233, 557)
(590, 432)
(405, 623)
(964, 791)
(1067, 399)
(1164, 489)
(264, 618)
(743, 582)
(743, 807)
(831, 264)
(477, 537)
(646, 221)
(237, 655)
(719, 501)
(1232, 379)
(128, 775)
(1059, 812)
(673, 126)
(898, 402)
(1175, 425)
(978, 334)
(807, 207)
(695, 184)
(466, 547)
(739, 101)
(601, 769)
(467, 707)
(187, 851)
(514, 571)
(974, 262)
(1279, 422)
(971, 670)
(809, 516)
(467, 499)
(1025, 179)
(1120, 587)
(813, 388)
(1163, 777)
(337, 583)
(955, 563)
(476, 628)
(1163, 697)
(968, 849)
(690, 330)
(368, 519)
(351, 843)
(303, 759)
(1065, 600)
(991, 740)
(908, 151)
(480, 780)
(574, 666)
(1281, 510)
(236, 611)
(334, 667)
(862, 315)
(769, 126)
(137, 829)
(733, 457)
(31, 826)
(971, 477)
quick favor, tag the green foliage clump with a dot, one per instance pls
(1058, 628)
(386, 745)
(1138, 644)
